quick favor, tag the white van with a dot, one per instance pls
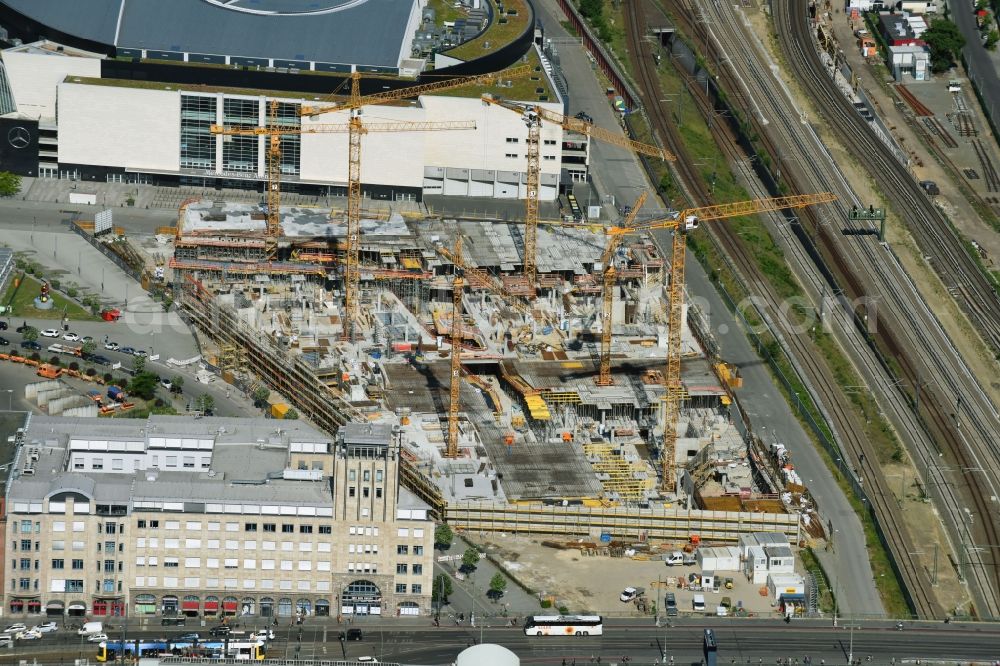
(699, 603)
(90, 628)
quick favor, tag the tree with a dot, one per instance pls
(54, 360)
(88, 348)
(205, 403)
(443, 536)
(498, 584)
(441, 589)
(470, 559)
(176, 384)
(260, 396)
(945, 42)
(144, 385)
(139, 365)
(10, 184)
(30, 334)
(991, 40)
(291, 415)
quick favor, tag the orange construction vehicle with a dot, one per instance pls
(49, 371)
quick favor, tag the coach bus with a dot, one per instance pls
(244, 650)
(564, 625)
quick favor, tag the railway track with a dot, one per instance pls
(839, 410)
(989, 171)
(959, 417)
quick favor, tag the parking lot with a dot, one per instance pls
(595, 583)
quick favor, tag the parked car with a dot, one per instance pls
(28, 635)
(674, 558)
(351, 635)
(173, 621)
(189, 637)
(46, 627)
(4, 342)
(728, 583)
(14, 628)
(262, 634)
(99, 359)
(50, 333)
(31, 344)
(3, 326)
(87, 338)
(97, 638)
(221, 630)
(366, 660)
(112, 346)
(139, 352)
(671, 604)
(127, 350)
(71, 337)
(166, 383)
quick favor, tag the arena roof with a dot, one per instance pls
(360, 32)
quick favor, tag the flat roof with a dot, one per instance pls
(361, 32)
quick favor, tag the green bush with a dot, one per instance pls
(546, 603)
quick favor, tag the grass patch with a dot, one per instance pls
(446, 11)
(21, 299)
(501, 31)
(570, 28)
(525, 89)
(826, 601)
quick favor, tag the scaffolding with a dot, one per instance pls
(622, 479)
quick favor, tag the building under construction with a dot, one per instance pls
(533, 421)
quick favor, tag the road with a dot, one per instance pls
(980, 65)
(848, 567)
(740, 641)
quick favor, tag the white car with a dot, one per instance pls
(112, 346)
(366, 660)
(28, 635)
(50, 333)
(71, 336)
(628, 594)
(45, 627)
(14, 628)
(97, 638)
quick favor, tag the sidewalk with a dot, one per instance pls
(469, 595)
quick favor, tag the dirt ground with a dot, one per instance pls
(593, 583)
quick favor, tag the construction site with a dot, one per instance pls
(529, 362)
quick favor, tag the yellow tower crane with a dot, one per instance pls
(533, 114)
(608, 293)
(681, 223)
(356, 130)
(456, 355)
(275, 131)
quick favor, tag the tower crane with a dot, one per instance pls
(533, 115)
(480, 279)
(608, 293)
(357, 129)
(681, 223)
(275, 131)
(456, 355)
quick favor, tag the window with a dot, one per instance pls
(249, 545)
(367, 476)
(270, 527)
(58, 526)
(192, 561)
(141, 524)
(232, 527)
(96, 464)
(400, 588)
(416, 588)
(77, 565)
(59, 564)
(154, 524)
(192, 525)
(109, 566)
(231, 563)
(418, 533)
(249, 564)
(171, 543)
(197, 142)
(401, 568)
(213, 544)
(305, 529)
(548, 157)
(351, 492)
(170, 562)
(378, 492)
(305, 547)
(25, 564)
(240, 154)
(212, 563)
(352, 475)
(192, 543)
(171, 461)
(364, 492)
(250, 527)
(140, 561)
(305, 565)
(117, 463)
(326, 529)
(378, 475)
(56, 545)
(549, 142)
(418, 550)
(172, 525)
(25, 544)
(232, 544)
(512, 155)
(402, 550)
(189, 462)
(213, 527)
(287, 529)
(403, 532)
(512, 139)
(25, 583)
(418, 569)
(74, 586)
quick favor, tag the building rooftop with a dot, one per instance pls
(362, 32)
(248, 459)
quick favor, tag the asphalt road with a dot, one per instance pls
(740, 641)
(980, 66)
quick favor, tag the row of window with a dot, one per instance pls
(231, 544)
(365, 492)
(232, 563)
(547, 142)
(118, 464)
(549, 158)
(231, 583)
(108, 585)
(416, 588)
(212, 526)
(417, 569)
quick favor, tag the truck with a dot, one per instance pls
(49, 371)
(90, 628)
(116, 393)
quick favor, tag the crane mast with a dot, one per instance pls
(352, 272)
(456, 367)
(533, 184)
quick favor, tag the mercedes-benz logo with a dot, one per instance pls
(19, 137)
